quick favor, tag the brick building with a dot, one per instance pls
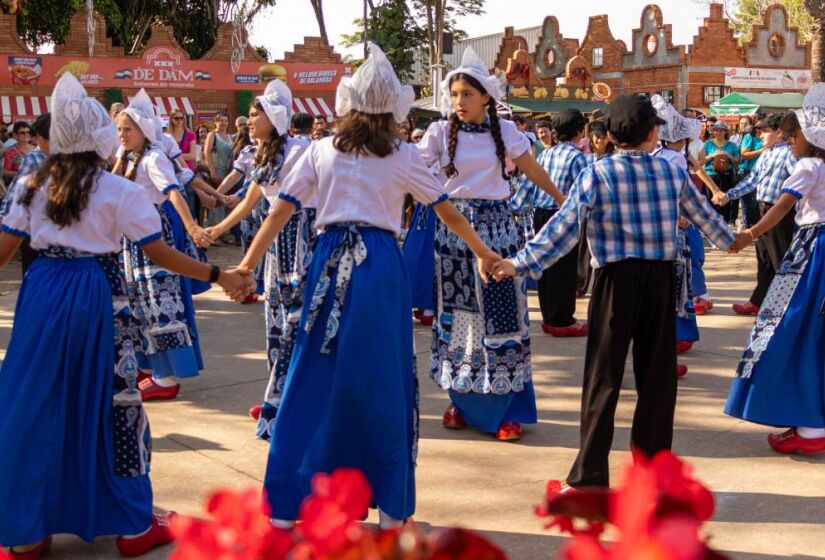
(694, 75)
(198, 87)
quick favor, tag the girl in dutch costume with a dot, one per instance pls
(288, 257)
(75, 436)
(674, 135)
(161, 300)
(780, 380)
(350, 398)
(481, 339)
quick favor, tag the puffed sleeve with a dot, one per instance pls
(422, 185)
(293, 153)
(243, 163)
(300, 185)
(516, 144)
(803, 179)
(161, 171)
(431, 145)
(137, 217)
(18, 221)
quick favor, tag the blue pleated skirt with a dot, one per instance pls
(59, 462)
(350, 398)
(419, 256)
(697, 261)
(185, 244)
(162, 303)
(780, 380)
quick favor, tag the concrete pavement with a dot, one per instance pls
(768, 506)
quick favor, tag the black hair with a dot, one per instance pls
(40, 126)
(544, 124)
(495, 129)
(573, 125)
(302, 122)
(18, 125)
(518, 119)
(771, 122)
(790, 127)
(268, 149)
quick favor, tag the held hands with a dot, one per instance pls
(741, 241)
(237, 283)
(207, 200)
(486, 261)
(231, 201)
(720, 199)
(201, 238)
(214, 232)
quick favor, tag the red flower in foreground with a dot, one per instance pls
(331, 515)
(236, 531)
(460, 544)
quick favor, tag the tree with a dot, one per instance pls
(128, 22)
(392, 27)
(747, 13)
(318, 8)
(438, 16)
(816, 9)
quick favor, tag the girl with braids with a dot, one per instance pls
(162, 300)
(75, 438)
(481, 337)
(286, 258)
(350, 397)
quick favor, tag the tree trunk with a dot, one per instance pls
(817, 10)
(317, 6)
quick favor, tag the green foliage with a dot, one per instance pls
(750, 12)
(195, 22)
(391, 27)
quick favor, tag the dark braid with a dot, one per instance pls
(450, 169)
(123, 164)
(495, 129)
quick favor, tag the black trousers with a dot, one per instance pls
(557, 285)
(632, 301)
(585, 270)
(726, 182)
(770, 250)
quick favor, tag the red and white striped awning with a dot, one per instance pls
(315, 106)
(23, 107)
(166, 104)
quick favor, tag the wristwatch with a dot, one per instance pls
(214, 273)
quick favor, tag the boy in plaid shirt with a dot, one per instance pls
(632, 203)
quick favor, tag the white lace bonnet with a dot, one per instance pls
(142, 111)
(277, 104)
(812, 115)
(79, 123)
(471, 64)
(374, 89)
(676, 126)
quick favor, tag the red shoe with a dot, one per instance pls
(681, 370)
(509, 431)
(255, 411)
(250, 298)
(143, 374)
(33, 554)
(426, 320)
(151, 391)
(575, 330)
(790, 442)
(417, 313)
(158, 535)
(745, 309)
(683, 346)
(453, 419)
(701, 305)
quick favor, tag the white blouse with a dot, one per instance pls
(156, 174)
(295, 148)
(806, 184)
(479, 171)
(116, 207)
(244, 163)
(351, 188)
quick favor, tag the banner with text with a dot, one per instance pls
(767, 78)
(164, 67)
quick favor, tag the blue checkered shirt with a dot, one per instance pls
(632, 203)
(563, 162)
(772, 168)
(29, 165)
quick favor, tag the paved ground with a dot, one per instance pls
(768, 506)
